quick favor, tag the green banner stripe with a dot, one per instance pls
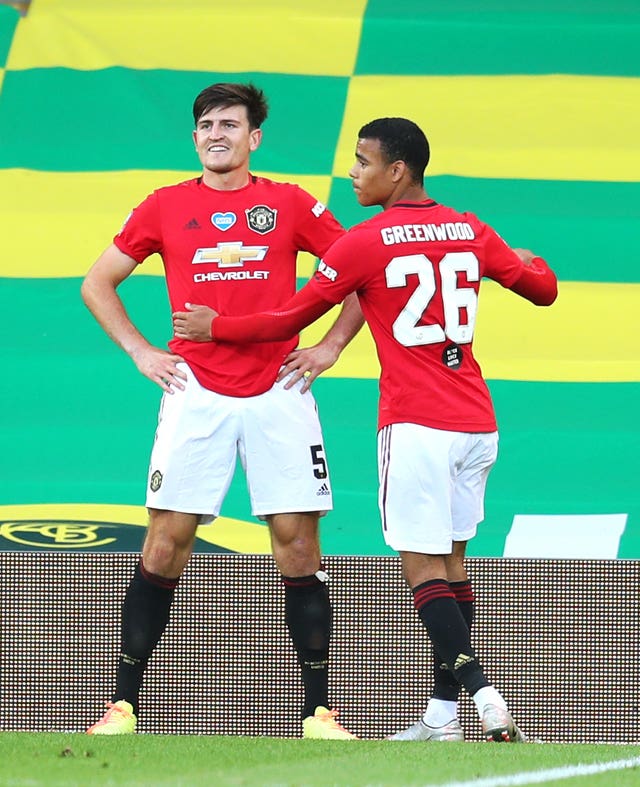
(8, 21)
(499, 38)
(585, 229)
(564, 450)
(555, 458)
(564, 447)
(117, 118)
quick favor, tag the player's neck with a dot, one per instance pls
(406, 193)
(226, 181)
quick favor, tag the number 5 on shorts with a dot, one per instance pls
(318, 461)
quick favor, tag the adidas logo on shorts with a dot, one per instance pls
(324, 490)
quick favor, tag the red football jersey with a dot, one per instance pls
(234, 251)
(417, 269)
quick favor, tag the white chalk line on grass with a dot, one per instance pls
(549, 775)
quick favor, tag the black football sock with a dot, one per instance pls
(445, 685)
(145, 614)
(308, 615)
(448, 632)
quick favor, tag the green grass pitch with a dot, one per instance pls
(51, 759)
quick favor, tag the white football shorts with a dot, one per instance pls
(432, 485)
(277, 436)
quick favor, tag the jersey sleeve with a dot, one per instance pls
(300, 310)
(316, 227)
(140, 237)
(343, 269)
(328, 286)
(501, 263)
(536, 282)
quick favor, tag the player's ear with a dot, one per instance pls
(255, 138)
(398, 170)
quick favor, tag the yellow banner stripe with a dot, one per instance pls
(588, 335)
(234, 534)
(243, 35)
(70, 218)
(539, 127)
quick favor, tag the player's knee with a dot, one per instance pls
(297, 564)
(298, 557)
(165, 557)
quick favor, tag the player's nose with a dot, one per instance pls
(215, 132)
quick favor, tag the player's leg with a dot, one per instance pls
(145, 612)
(308, 612)
(426, 576)
(446, 688)
(416, 522)
(450, 636)
(478, 453)
(438, 610)
(283, 453)
(191, 467)
(308, 615)
(418, 469)
(441, 714)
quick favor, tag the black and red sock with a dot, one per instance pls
(145, 614)
(445, 685)
(448, 631)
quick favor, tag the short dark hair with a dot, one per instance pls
(400, 140)
(230, 94)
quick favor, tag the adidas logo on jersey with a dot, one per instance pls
(324, 490)
(191, 225)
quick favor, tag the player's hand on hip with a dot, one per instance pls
(161, 367)
(195, 323)
(307, 363)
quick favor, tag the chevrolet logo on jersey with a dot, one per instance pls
(229, 255)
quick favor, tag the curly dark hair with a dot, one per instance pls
(400, 140)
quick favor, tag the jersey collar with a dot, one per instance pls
(429, 203)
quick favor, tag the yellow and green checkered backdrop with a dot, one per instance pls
(532, 109)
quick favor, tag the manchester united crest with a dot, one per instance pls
(156, 481)
(261, 219)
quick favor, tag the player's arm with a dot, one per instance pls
(284, 323)
(317, 229)
(536, 281)
(519, 270)
(99, 292)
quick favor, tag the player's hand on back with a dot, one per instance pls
(195, 323)
(161, 367)
(525, 255)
